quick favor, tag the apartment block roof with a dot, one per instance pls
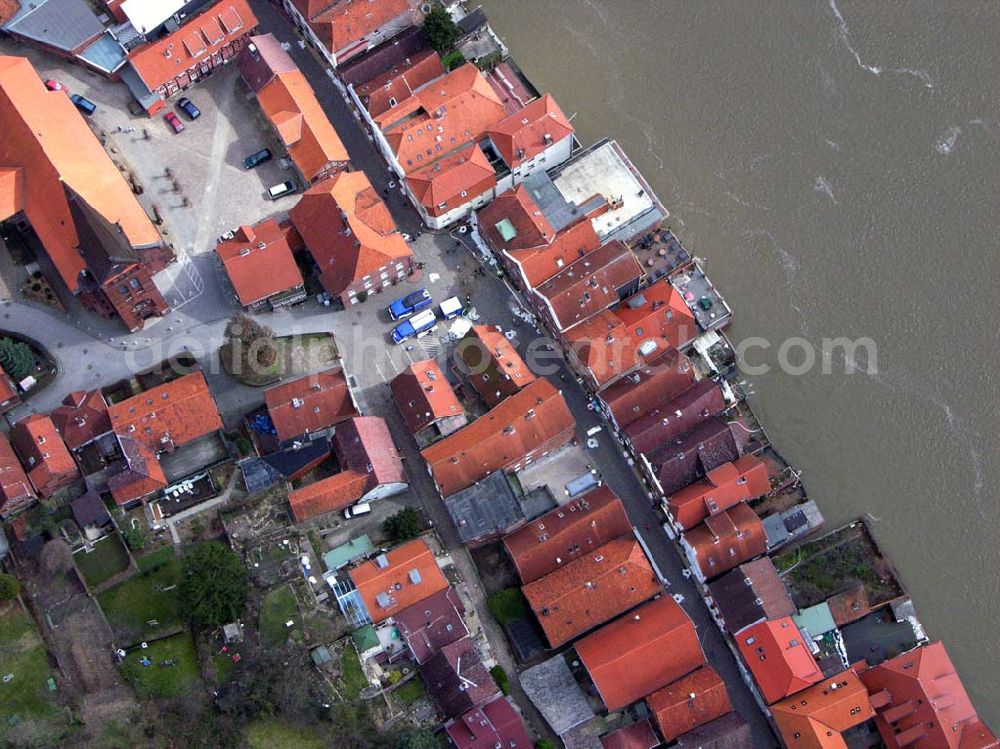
(200, 37)
(310, 403)
(656, 382)
(536, 416)
(816, 717)
(589, 285)
(495, 368)
(82, 418)
(259, 262)
(168, 415)
(921, 703)
(722, 487)
(398, 579)
(424, 395)
(778, 657)
(486, 509)
(726, 540)
(566, 533)
(384, 91)
(751, 593)
(689, 702)
(15, 488)
(640, 652)
(592, 590)
(432, 623)
(699, 402)
(348, 230)
(43, 453)
(525, 134)
(494, 724)
(343, 23)
(48, 150)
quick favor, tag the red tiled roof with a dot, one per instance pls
(588, 285)
(11, 191)
(332, 493)
(431, 624)
(290, 103)
(47, 140)
(495, 369)
(442, 116)
(259, 262)
(778, 657)
(452, 181)
(660, 315)
(689, 702)
(539, 264)
(640, 652)
(168, 415)
(658, 381)
(743, 479)
(344, 23)
(638, 735)
(43, 454)
(727, 540)
(532, 231)
(310, 403)
(816, 717)
(142, 476)
(198, 39)
(522, 136)
(533, 419)
(592, 590)
(701, 401)
(566, 533)
(348, 230)
(400, 82)
(82, 418)
(927, 707)
(424, 395)
(494, 724)
(15, 489)
(393, 584)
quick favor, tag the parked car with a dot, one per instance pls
(419, 325)
(188, 107)
(84, 104)
(278, 191)
(53, 85)
(359, 509)
(256, 159)
(174, 121)
(412, 302)
(226, 236)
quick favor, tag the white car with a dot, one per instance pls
(359, 509)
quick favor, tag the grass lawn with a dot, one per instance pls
(224, 666)
(275, 733)
(278, 607)
(155, 559)
(352, 679)
(162, 681)
(107, 559)
(411, 691)
(147, 597)
(508, 605)
(25, 696)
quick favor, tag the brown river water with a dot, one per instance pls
(838, 164)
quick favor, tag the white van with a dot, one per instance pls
(360, 509)
(279, 191)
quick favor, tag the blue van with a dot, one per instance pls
(419, 325)
(412, 302)
(83, 104)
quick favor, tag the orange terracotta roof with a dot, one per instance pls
(726, 540)
(518, 209)
(924, 704)
(658, 381)
(640, 652)
(389, 589)
(399, 83)
(7, 9)
(43, 454)
(743, 479)
(442, 116)
(82, 418)
(689, 702)
(452, 181)
(168, 415)
(348, 230)
(495, 369)
(566, 533)
(11, 191)
(525, 134)
(290, 103)
(346, 23)
(424, 395)
(310, 403)
(15, 488)
(46, 138)
(535, 418)
(327, 495)
(540, 263)
(197, 39)
(259, 262)
(778, 657)
(142, 476)
(592, 590)
(817, 717)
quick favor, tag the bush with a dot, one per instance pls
(134, 538)
(453, 59)
(10, 586)
(402, 526)
(500, 677)
(544, 744)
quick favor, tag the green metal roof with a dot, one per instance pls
(347, 553)
(816, 620)
(365, 638)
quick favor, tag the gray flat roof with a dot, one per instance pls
(63, 24)
(105, 54)
(485, 508)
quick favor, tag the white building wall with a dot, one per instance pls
(306, 29)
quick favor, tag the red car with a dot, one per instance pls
(175, 122)
(52, 85)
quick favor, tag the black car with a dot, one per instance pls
(187, 106)
(256, 159)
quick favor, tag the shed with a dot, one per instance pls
(232, 633)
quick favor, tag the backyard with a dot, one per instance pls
(170, 670)
(275, 733)
(352, 679)
(147, 604)
(106, 559)
(276, 609)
